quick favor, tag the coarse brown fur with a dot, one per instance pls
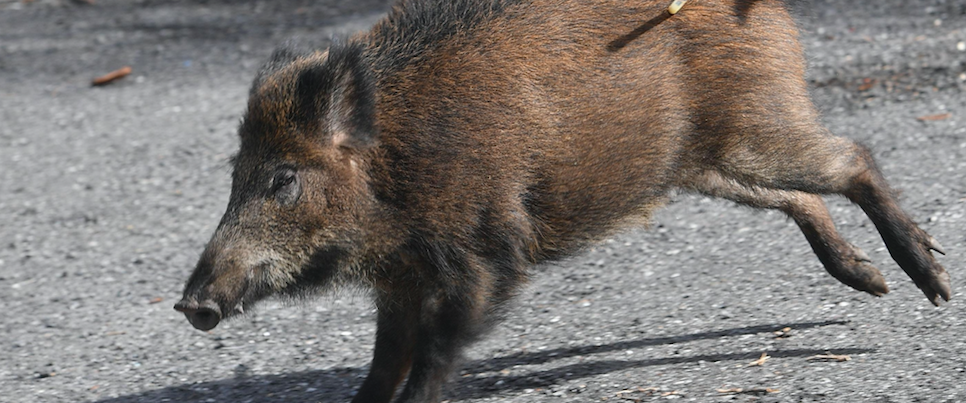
(438, 156)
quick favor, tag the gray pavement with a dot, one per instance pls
(108, 194)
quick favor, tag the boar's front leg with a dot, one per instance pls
(459, 292)
(396, 326)
(446, 326)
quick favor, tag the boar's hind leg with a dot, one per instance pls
(395, 337)
(817, 162)
(910, 246)
(842, 260)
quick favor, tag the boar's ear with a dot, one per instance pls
(338, 96)
(282, 57)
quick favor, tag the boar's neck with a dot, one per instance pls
(414, 28)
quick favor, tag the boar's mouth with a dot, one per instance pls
(318, 273)
(204, 312)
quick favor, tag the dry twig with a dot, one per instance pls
(938, 116)
(752, 391)
(830, 357)
(112, 76)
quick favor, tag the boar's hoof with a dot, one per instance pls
(934, 245)
(203, 316)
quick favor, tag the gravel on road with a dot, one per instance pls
(108, 194)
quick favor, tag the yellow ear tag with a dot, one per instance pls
(676, 6)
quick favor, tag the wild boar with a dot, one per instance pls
(440, 155)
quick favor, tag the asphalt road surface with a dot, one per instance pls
(108, 194)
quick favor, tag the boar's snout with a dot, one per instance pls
(203, 316)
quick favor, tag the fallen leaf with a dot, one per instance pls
(155, 300)
(753, 391)
(760, 361)
(784, 333)
(628, 394)
(929, 118)
(867, 84)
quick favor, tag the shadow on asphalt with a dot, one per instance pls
(481, 377)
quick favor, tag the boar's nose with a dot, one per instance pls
(203, 316)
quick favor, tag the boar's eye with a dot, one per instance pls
(285, 186)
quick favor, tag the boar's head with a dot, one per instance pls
(300, 205)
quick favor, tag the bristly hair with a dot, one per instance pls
(412, 29)
(415, 27)
(317, 92)
(284, 55)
